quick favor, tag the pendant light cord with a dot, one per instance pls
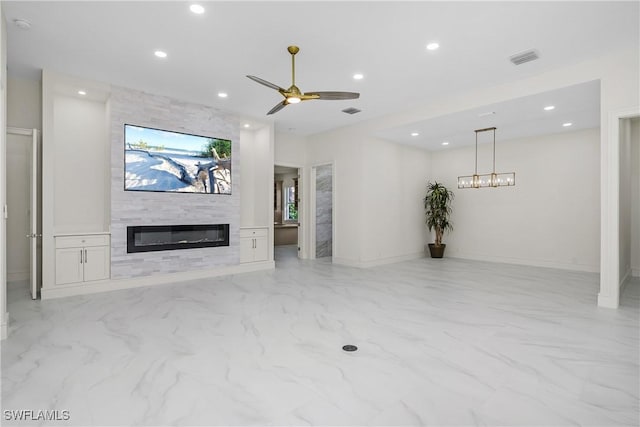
(476, 172)
(477, 131)
(494, 150)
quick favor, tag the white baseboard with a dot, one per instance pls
(17, 276)
(624, 280)
(607, 301)
(160, 279)
(377, 262)
(4, 327)
(525, 261)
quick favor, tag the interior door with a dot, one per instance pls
(33, 216)
(22, 207)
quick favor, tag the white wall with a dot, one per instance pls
(80, 202)
(290, 150)
(24, 103)
(256, 177)
(550, 218)
(378, 213)
(394, 185)
(635, 196)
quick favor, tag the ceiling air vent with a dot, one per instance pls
(522, 57)
(351, 110)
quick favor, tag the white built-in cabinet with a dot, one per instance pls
(254, 244)
(76, 184)
(256, 197)
(81, 258)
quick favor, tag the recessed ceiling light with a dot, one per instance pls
(358, 76)
(445, 142)
(222, 94)
(160, 54)
(567, 124)
(23, 24)
(247, 125)
(549, 107)
(197, 9)
(433, 46)
(82, 92)
(415, 134)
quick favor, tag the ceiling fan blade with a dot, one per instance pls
(266, 83)
(278, 107)
(332, 96)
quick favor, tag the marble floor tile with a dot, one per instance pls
(441, 342)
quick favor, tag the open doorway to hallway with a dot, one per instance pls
(287, 215)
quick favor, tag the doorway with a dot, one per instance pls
(322, 211)
(287, 212)
(23, 213)
(629, 200)
(616, 211)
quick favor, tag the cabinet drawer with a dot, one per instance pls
(81, 241)
(253, 232)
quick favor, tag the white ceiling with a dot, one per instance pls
(114, 42)
(516, 118)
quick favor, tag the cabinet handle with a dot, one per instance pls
(254, 243)
(85, 256)
(81, 262)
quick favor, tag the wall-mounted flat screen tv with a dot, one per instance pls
(161, 160)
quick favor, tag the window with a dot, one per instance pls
(291, 202)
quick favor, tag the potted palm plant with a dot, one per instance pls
(437, 205)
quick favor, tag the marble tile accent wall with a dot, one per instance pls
(148, 208)
(324, 210)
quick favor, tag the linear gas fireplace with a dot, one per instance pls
(148, 238)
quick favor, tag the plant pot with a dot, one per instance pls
(436, 251)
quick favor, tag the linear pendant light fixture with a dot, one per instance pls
(492, 179)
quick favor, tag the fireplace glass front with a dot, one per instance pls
(148, 238)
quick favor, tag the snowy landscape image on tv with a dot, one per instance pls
(160, 160)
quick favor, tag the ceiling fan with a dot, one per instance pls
(293, 94)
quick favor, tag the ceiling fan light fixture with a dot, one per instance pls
(294, 95)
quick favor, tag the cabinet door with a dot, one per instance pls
(69, 265)
(96, 263)
(260, 251)
(246, 249)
